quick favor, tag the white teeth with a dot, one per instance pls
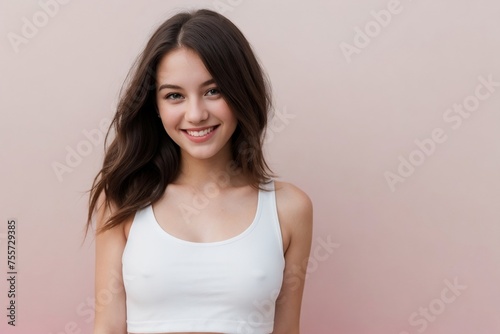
(200, 133)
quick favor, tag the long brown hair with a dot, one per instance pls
(142, 159)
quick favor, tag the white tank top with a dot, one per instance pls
(229, 286)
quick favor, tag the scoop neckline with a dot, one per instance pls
(212, 243)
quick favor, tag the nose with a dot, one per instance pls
(196, 111)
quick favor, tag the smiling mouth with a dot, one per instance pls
(202, 132)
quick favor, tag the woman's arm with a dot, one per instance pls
(296, 216)
(110, 309)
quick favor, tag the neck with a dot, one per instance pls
(218, 169)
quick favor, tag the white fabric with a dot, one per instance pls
(229, 286)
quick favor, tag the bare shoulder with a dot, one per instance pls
(105, 210)
(295, 213)
(292, 200)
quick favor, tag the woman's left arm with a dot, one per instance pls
(296, 216)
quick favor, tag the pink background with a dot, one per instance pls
(348, 120)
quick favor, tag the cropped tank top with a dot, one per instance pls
(229, 286)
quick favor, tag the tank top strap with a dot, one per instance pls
(266, 223)
(270, 212)
(142, 228)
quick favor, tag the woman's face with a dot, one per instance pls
(191, 107)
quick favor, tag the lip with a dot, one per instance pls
(202, 138)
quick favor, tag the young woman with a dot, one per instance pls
(193, 233)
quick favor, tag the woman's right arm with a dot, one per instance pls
(110, 307)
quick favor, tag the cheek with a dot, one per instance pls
(227, 114)
(170, 117)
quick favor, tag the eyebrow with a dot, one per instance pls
(206, 83)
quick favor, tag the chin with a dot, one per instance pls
(200, 154)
